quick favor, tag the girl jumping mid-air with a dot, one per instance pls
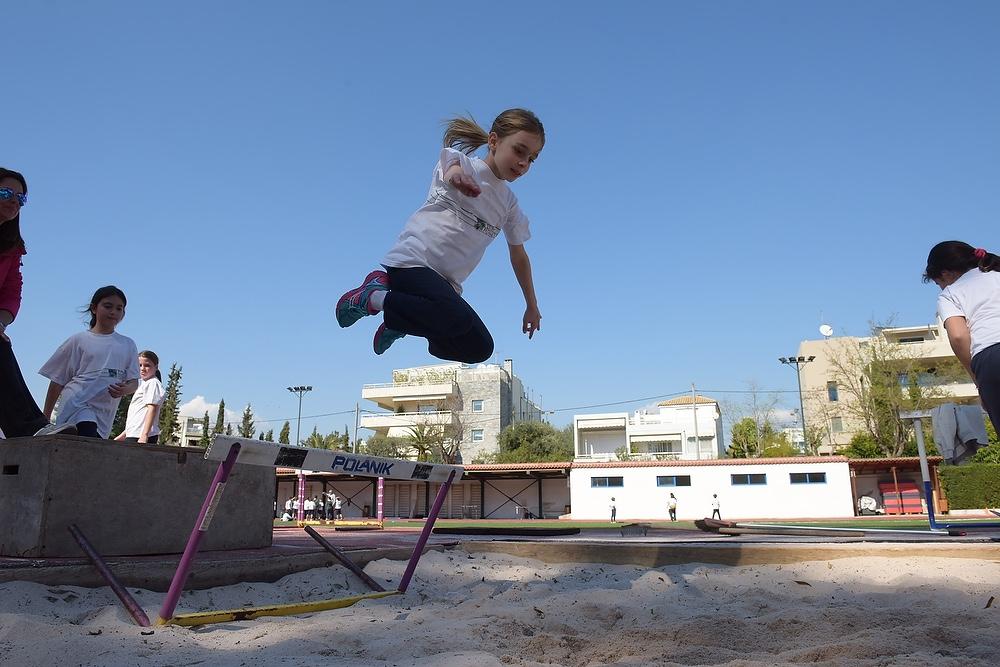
(969, 306)
(93, 369)
(469, 204)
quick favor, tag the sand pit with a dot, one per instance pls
(494, 609)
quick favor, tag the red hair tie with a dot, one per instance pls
(979, 253)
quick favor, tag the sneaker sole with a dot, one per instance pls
(347, 312)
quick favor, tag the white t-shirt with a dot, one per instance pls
(150, 392)
(451, 231)
(86, 365)
(976, 297)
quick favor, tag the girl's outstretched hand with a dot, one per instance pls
(532, 321)
(464, 183)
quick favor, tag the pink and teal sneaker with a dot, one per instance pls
(354, 304)
(384, 338)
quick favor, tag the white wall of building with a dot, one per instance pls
(641, 498)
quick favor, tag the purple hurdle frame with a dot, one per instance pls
(200, 528)
(418, 549)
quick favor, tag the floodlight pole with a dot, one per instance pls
(301, 513)
(799, 362)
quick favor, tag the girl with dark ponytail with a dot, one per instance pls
(969, 306)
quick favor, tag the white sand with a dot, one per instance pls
(492, 609)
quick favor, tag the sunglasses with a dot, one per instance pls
(7, 193)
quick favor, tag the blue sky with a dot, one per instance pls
(718, 180)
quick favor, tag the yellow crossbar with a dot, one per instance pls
(248, 613)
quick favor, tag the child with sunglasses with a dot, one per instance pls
(93, 369)
(19, 414)
(469, 204)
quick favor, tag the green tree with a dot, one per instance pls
(393, 448)
(269, 435)
(532, 442)
(246, 427)
(315, 439)
(229, 428)
(121, 415)
(170, 410)
(206, 434)
(283, 436)
(745, 439)
(426, 440)
(220, 418)
(862, 446)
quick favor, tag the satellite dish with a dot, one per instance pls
(826, 330)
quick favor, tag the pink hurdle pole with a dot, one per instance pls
(200, 528)
(418, 550)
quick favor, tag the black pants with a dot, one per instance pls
(673, 514)
(87, 429)
(986, 366)
(150, 440)
(717, 515)
(422, 303)
(19, 414)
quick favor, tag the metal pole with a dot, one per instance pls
(694, 411)
(300, 515)
(802, 409)
(131, 605)
(357, 418)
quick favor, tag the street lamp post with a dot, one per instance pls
(300, 515)
(799, 362)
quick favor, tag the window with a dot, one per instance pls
(606, 481)
(477, 405)
(673, 480)
(477, 435)
(837, 424)
(748, 479)
(425, 408)
(911, 339)
(831, 391)
(807, 477)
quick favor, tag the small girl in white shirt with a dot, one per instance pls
(469, 204)
(143, 422)
(92, 370)
(969, 306)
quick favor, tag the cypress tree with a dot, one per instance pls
(220, 417)
(206, 435)
(171, 407)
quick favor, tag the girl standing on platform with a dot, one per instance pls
(969, 306)
(143, 422)
(93, 369)
(469, 204)
(19, 414)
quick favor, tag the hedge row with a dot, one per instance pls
(971, 486)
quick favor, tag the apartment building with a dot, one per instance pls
(687, 428)
(473, 402)
(830, 394)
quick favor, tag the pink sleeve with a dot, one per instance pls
(10, 287)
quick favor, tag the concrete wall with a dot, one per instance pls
(641, 498)
(126, 499)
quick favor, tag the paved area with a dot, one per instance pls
(294, 551)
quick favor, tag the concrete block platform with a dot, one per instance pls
(127, 499)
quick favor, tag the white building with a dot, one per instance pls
(668, 434)
(477, 401)
(792, 488)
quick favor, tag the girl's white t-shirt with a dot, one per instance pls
(450, 232)
(150, 392)
(976, 297)
(86, 365)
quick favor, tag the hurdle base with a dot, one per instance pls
(250, 613)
